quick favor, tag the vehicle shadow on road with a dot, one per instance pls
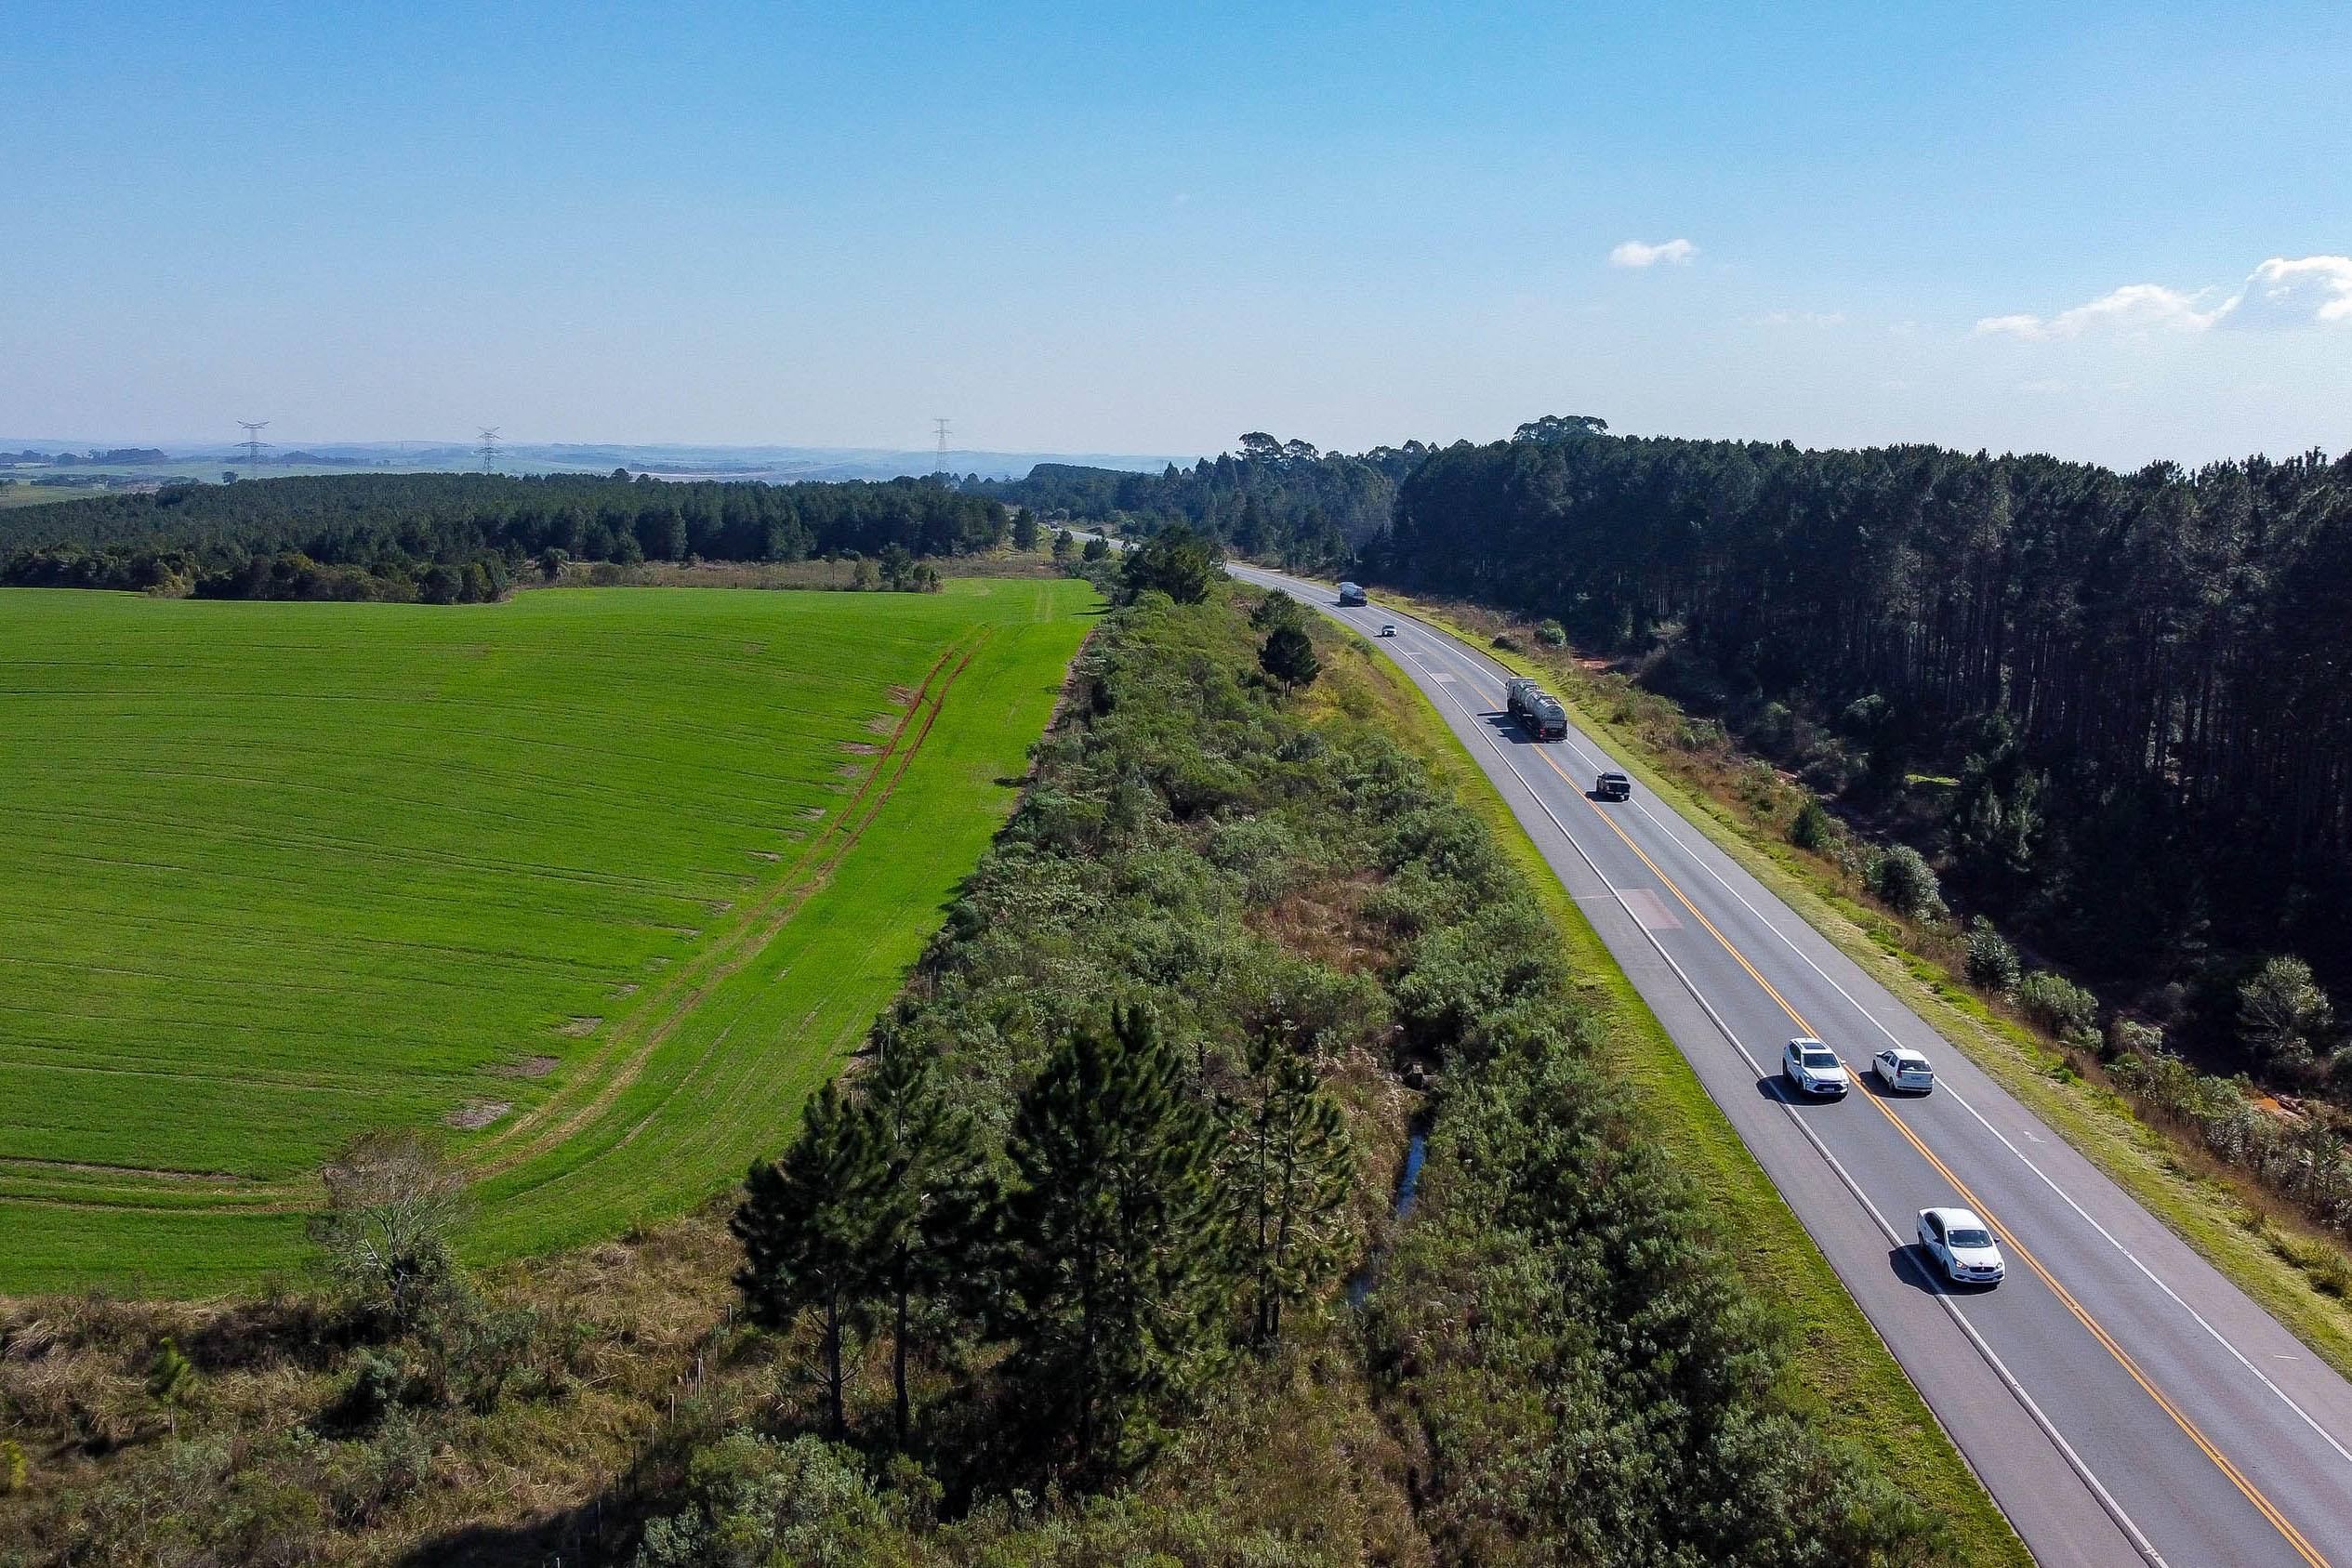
(1508, 728)
(1777, 1089)
(1915, 1267)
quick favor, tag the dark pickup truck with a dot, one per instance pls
(1612, 786)
(1539, 713)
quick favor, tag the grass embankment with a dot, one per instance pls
(2258, 1239)
(1849, 1375)
(608, 881)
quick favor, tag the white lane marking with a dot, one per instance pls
(2137, 1262)
(2106, 1499)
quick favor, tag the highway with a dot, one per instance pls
(2123, 1403)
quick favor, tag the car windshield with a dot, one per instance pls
(1912, 1063)
(1821, 1058)
(1969, 1236)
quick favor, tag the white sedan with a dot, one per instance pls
(1388, 629)
(1962, 1244)
(1900, 1068)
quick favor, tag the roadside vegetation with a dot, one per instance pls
(1061, 1272)
(601, 883)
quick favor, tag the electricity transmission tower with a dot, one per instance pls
(254, 443)
(942, 423)
(489, 449)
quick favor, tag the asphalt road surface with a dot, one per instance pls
(2122, 1400)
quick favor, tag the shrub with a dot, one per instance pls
(1811, 828)
(392, 1203)
(1907, 882)
(1992, 963)
(1552, 634)
(2127, 1036)
(2057, 1003)
(757, 1500)
(1509, 643)
(2282, 1015)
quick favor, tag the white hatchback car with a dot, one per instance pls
(1900, 1068)
(1962, 1244)
(1814, 1068)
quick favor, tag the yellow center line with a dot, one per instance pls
(2253, 1494)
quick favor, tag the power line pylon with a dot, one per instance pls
(942, 424)
(254, 443)
(489, 449)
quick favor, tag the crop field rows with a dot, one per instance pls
(604, 881)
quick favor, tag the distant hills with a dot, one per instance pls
(775, 464)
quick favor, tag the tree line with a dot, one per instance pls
(379, 532)
(1269, 499)
(2137, 683)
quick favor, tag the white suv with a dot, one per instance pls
(1961, 1243)
(1814, 1067)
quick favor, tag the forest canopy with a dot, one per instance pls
(2140, 685)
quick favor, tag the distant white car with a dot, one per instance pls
(1962, 1244)
(1388, 629)
(1814, 1068)
(1900, 1068)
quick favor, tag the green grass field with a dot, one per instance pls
(618, 875)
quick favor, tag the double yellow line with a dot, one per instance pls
(2253, 1493)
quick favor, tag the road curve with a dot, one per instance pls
(2123, 1403)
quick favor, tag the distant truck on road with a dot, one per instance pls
(1539, 713)
(1350, 594)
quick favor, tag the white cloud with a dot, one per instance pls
(2281, 295)
(1634, 253)
(2133, 307)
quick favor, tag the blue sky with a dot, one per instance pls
(1094, 229)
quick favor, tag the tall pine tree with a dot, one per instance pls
(805, 1222)
(922, 1201)
(1286, 1172)
(1112, 1241)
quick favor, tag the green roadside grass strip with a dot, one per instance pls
(1841, 1367)
(2144, 1161)
(279, 872)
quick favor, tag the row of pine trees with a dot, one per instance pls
(1128, 1232)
